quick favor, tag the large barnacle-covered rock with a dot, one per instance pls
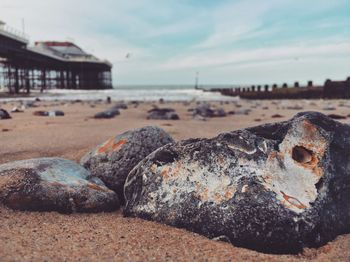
(53, 184)
(273, 188)
(113, 160)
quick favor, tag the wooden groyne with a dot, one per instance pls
(330, 90)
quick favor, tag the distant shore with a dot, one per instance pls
(123, 93)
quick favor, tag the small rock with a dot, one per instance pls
(277, 116)
(220, 112)
(120, 105)
(110, 113)
(4, 114)
(113, 160)
(329, 108)
(28, 104)
(48, 113)
(274, 188)
(242, 111)
(16, 110)
(163, 114)
(205, 110)
(53, 184)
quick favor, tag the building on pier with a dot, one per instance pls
(48, 65)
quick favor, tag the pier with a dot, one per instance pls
(48, 65)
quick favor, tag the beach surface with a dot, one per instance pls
(50, 236)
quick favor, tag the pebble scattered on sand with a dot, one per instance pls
(49, 113)
(109, 113)
(163, 114)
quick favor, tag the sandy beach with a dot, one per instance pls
(31, 236)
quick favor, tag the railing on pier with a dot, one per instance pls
(13, 33)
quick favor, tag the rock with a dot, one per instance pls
(110, 113)
(242, 112)
(274, 188)
(53, 184)
(108, 100)
(277, 116)
(16, 110)
(4, 114)
(329, 108)
(163, 113)
(120, 105)
(48, 113)
(205, 110)
(113, 160)
(135, 103)
(220, 112)
(335, 116)
(28, 104)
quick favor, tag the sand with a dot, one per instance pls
(33, 236)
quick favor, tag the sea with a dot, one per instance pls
(144, 93)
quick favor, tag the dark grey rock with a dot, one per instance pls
(4, 114)
(220, 112)
(277, 116)
(110, 113)
(29, 104)
(53, 184)
(112, 160)
(48, 113)
(205, 110)
(120, 105)
(274, 188)
(163, 114)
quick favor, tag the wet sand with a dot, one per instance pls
(109, 236)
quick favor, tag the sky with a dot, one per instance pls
(227, 42)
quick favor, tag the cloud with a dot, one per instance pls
(242, 56)
(169, 40)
